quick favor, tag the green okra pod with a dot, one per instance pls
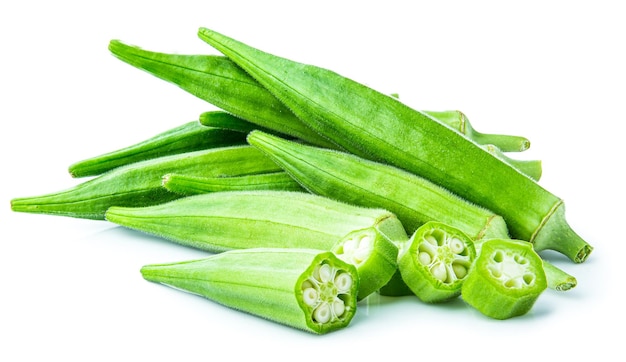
(310, 290)
(459, 122)
(505, 280)
(191, 136)
(436, 261)
(530, 168)
(221, 221)
(374, 125)
(140, 184)
(192, 185)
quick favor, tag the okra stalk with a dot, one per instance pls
(139, 184)
(191, 136)
(505, 280)
(193, 185)
(374, 125)
(310, 290)
(220, 82)
(221, 221)
(458, 121)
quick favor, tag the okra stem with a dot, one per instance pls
(370, 124)
(192, 185)
(191, 136)
(309, 290)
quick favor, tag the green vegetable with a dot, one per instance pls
(506, 279)
(139, 184)
(220, 221)
(188, 137)
(436, 262)
(306, 289)
(192, 185)
(459, 122)
(530, 168)
(376, 126)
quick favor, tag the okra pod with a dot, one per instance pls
(459, 122)
(220, 82)
(191, 136)
(373, 125)
(221, 221)
(505, 280)
(309, 290)
(530, 168)
(139, 184)
(192, 185)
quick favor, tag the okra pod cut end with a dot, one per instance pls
(436, 262)
(505, 280)
(555, 233)
(374, 256)
(306, 289)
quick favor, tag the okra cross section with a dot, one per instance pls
(306, 289)
(436, 262)
(505, 280)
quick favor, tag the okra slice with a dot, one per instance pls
(140, 183)
(458, 121)
(222, 221)
(376, 126)
(193, 185)
(506, 279)
(436, 262)
(310, 290)
(191, 136)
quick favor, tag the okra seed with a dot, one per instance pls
(460, 271)
(431, 240)
(439, 271)
(456, 246)
(322, 313)
(339, 307)
(343, 282)
(310, 297)
(325, 273)
(424, 258)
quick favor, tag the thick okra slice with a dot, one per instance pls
(221, 221)
(436, 262)
(193, 185)
(191, 136)
(305, 289)
(139, 184)
(505, 280)
(374, 125)
(459, 122)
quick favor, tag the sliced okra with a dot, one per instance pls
(191, 136)
(221, 221)
(310, 290)
(436, 262)
(192, 185)
(505, 280)
(139, 184)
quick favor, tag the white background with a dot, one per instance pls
(552, 71)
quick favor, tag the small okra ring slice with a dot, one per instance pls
(505, 280)
(436, 262)
(306, 289)
(374, 256)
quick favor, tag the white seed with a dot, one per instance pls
(424, 258)
(310, 297)
(459, 270)
(439, 271)
(343, 282)
(456, 246)
(350, 245)
(339, 307)
(431, 240)
(326, 272)
(322, 313)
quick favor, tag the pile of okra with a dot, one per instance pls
(310, 191)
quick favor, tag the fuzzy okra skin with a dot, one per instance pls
(374, 125)
(221, 221)
(193, 185)
(505, 280)
(191, 136)
(139, 184)
(310, 290)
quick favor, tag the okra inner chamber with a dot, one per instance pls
(326, 293)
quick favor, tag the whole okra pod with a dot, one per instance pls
(139, 184)
(191, 136)
(221, 221)
(310, 290)
(374, 125)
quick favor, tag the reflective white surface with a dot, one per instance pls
(72, 289)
